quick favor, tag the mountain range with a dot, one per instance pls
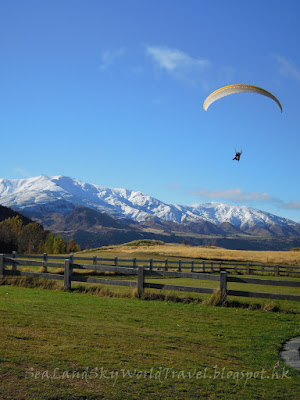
(73, 207)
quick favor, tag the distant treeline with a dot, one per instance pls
(31, 238)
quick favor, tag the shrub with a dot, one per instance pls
(217, 299)
(145, 242)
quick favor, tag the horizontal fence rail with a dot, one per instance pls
(153, 268)
(179, 265)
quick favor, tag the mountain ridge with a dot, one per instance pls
(43, 195)
(6, 212)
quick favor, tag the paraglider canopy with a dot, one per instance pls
(237, 88)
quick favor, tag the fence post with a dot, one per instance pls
(212, 266)
(248, 268)
(166, 265)
(67, 275)
(71, 265)
(14, 266)
(45, 259)
(151, 264)
(116, 261)
(94, 260)
(140, 281)
(203, 262)
(179, 265)
(220, 266)
(134, 262)
(223, 286)
(192, 266)
(277, 270)
(2, 265)
(235, 268)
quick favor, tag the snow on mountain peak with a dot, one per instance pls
(61, 194)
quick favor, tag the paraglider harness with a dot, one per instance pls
(237, 155)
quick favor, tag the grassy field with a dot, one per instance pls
(197, 252)
(140, 250)
(61, 345)
(107, 344)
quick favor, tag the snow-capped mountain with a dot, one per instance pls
(60, 194)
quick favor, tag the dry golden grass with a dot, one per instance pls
(198, 252)
(218, 298)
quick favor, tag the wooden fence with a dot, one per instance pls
(207, 266)
(141, 272)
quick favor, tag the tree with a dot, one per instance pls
(10, 230)
(59, 245)
(77, 248)
(31, 238)
(48, 245)
(72, 247)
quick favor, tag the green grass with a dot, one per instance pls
(46, 332)
(262, 303)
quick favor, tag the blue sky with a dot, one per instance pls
(111, 92)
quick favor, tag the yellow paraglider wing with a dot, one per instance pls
(237, 88)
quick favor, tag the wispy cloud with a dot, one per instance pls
(178, 64)
(108, 57)
(237, 195)
(292, 205)
(22, 172)
(287, 68)
(174, 186)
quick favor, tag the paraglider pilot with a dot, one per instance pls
(237, 155)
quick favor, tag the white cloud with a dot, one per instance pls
(178, 64)
(234, 195)
(287, 68)
(108, 57)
